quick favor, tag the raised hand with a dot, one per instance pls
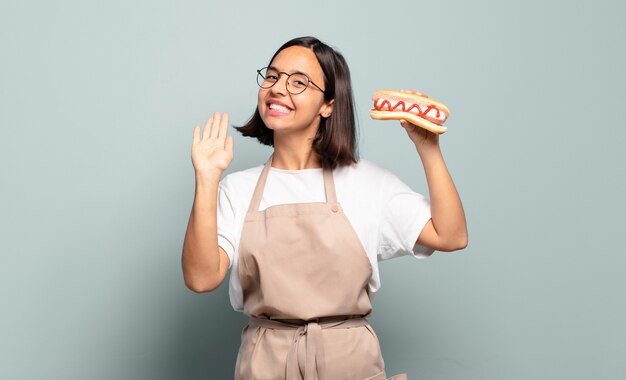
(214, 151)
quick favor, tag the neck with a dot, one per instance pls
(294, 152)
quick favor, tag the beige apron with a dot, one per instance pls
(304, 276)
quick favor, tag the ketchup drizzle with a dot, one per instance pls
(421, 113)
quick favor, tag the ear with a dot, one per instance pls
(327, 108)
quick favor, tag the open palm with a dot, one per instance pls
(214, 150)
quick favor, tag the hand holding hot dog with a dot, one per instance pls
(424, 140)
(213, 152)
(421, 116)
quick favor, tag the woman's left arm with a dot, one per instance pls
(447, 229)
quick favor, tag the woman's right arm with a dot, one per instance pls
(204, 263)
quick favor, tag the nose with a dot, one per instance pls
(280, 87)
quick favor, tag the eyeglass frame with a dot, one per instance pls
(287, 81)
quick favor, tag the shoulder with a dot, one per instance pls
(243, 175)
(234, 182)
(364, 180)
(374, 178)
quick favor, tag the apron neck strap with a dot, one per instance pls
(329, 186)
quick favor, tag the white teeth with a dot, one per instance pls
(279, 108)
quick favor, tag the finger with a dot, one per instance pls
(196, 134)
(223, 127)
(207, 128)
(215, 126)
(418, 93)
(228, 144)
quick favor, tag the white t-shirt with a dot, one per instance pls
(385, 213)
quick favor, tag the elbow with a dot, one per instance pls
(200, 290)
(461, 243)
(200, 287)
(455, 244)
(200, 279)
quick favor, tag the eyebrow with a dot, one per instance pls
(295, 72)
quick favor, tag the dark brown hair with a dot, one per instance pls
(335, 141)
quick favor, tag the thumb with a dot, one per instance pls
(228, 144)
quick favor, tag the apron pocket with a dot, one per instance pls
(354, 351)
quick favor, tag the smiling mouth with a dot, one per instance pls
(279, 108)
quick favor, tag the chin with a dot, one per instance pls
(275, 125)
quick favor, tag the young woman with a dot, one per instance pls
(303, 233)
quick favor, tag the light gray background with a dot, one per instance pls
(98, 103)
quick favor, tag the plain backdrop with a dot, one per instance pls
(98, 101)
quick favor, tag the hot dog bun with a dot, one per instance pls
(413, 107)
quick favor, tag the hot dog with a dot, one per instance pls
(416, 108)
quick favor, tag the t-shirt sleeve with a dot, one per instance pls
(226, 221)
(403, 216)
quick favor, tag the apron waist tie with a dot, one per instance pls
(314, 356)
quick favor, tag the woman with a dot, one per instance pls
(303, 233)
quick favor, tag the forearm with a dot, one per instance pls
(447, 213)
(201, 259)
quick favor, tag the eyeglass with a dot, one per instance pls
(296, 82)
